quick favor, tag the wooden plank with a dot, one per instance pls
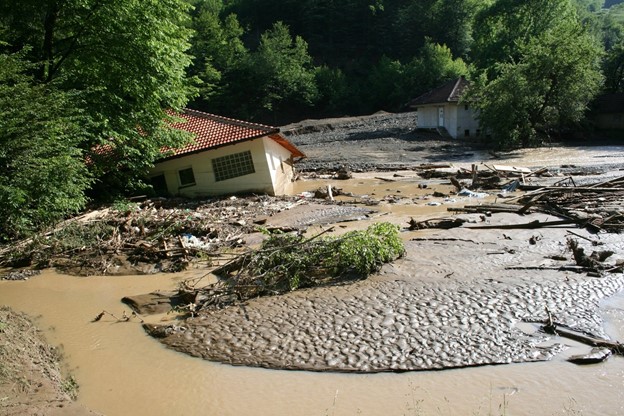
(527, 225)
(511, 169)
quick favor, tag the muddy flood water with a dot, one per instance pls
(123, 371)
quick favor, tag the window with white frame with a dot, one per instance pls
(233, 166)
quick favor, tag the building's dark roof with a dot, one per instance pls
(212, 131)
(447, 93)
(609, 103)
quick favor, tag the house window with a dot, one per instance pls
(187, 178)
(466, 107)
(478, 132)
(233, 166)
(466, 133)
(159, 184)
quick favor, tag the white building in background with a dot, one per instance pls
(440, 109)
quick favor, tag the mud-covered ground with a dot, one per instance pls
(382, 141)
(30, 376)
(454, 300)
(458, 298)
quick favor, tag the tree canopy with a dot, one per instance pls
(43, 176)
(128, 60)
(536, 70)
(87, 86)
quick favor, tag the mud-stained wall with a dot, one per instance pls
(205, 183)
(280, 165)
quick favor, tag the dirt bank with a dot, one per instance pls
(30, 377)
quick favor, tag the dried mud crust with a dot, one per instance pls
(451, 302)
(30, 377)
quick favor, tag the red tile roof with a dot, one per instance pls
(449, 92)
(212, 131)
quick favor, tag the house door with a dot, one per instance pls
(440, 116)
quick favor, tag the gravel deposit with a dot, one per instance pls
(387, 142)
(382, 141)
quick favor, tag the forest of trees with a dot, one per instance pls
(79, 76)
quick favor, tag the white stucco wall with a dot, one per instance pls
(280, 166)
(456, 119)
(205, 185)
(450, 119)
(466, 120)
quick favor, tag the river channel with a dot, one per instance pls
(123, 371)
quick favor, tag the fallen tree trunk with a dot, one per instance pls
(614, 346)
(527, 225)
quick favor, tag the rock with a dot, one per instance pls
(156, 302)
(343, 174)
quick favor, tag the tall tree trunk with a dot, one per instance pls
(49, 25)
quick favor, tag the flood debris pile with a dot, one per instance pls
(286, 262)
(598, 207)
(152, 236)
(481, 176)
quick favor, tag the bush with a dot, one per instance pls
(288, 262)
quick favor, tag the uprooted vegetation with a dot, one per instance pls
(287, 262)
(155, 235)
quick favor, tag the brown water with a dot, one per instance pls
(122, 371)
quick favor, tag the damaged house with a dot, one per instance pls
(226, 156)
(441, 110)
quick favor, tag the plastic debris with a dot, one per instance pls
(471, 194)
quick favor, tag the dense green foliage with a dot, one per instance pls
(537, 69)
(101, 76)
(289, 261)
(126, 59)
(377, 55)
(43, 175)
(611, 26)
(324, 58)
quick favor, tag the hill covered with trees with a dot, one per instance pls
(86, 85)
